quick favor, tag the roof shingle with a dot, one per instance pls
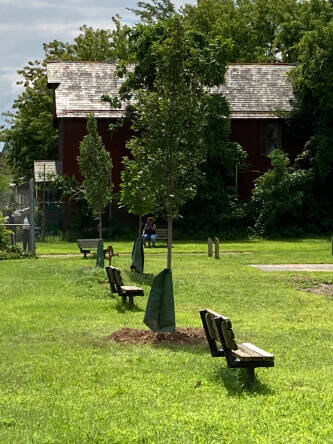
(253, 90)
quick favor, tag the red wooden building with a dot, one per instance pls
(255, 93)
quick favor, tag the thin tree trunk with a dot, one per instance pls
(169, 237)
(140, 225)
(100, 226)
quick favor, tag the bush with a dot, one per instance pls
(278, 198)
(4, 233)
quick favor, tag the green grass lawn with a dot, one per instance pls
(61, 381)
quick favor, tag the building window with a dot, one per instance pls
(270, 137)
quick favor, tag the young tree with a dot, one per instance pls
(175, 68)
(133, 194)
(95, 166)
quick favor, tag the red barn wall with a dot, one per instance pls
(248, 134)
(72, 132)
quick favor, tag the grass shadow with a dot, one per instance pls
(194, 349)
(124, 308)
(141, 279)
(236, 382)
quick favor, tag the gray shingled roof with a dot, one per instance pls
(256, 91)
(81, 86)
(253, 90)
(49, 167)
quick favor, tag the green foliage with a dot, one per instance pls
(313, 113)
(278, 197)
(31, 135)
(4, 233)
(313, 83)
(95, 166)
(5, 179)
(261, 30)
(8, 251)
(171, 113)
(174, 68)
(154, 11)
(213, 210)
(70, 188)
(134, 195)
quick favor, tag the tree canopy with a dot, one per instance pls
(174, 68)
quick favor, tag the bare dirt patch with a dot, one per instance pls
(182, 336)
(323, 289)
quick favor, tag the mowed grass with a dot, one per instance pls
(62, 381)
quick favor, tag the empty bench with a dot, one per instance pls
(86, 245)
(117, 286)
(221, 341)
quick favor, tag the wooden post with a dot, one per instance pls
(44, 197)
(217, 248)
(32, 240)
(210, 247)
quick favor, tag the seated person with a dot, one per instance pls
(149, 232)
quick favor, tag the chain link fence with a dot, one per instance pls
(17, 205)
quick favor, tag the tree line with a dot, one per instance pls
(194, 46)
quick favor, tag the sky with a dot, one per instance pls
(26, 24)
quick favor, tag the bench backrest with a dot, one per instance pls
(117, 275)
(112, 279)
(213, 321)
(162, 233)
(219, 333)
(88, 243)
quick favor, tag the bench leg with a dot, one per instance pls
(124, 299)
(250, 375)
(130, 302)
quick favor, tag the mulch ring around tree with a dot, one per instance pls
(182, 336)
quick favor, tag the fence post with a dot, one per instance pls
(32, 219)
(217, 248)
(210, 247)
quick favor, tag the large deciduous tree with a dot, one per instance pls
(174, 69)
(313, 86)
(95, 166)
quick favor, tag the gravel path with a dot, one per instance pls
(295, 267)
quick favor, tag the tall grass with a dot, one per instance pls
(62, 381)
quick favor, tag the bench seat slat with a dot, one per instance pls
(266, 356)
(132, 289)
(246, 354)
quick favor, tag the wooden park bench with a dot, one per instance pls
(221, 341)
(117, 286)
(162, 234)
(86, 245)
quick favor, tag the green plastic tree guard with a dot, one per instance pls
(100, 254)
(138, 259)
(160, 310)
